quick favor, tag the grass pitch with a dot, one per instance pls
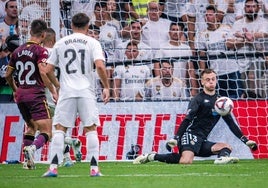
(245, 174)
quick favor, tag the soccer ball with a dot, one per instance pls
(224, 106)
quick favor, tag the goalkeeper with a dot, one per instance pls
(192, 134)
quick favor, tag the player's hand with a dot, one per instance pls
(252, 145)
(172, 143)
(106, 95)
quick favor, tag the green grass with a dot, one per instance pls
(245, 174)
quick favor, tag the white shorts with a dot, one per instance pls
(67, 110)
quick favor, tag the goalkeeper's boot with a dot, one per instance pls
(29, 156)
(51, 173)
(67, 162)
(144, 158)
(76, 145)
(95, 173)
(226, 160)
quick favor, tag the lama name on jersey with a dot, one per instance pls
(25, 52)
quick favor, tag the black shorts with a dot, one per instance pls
(197, 144)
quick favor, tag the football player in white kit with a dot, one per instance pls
(75, 55)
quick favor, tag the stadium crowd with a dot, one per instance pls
(138, 36)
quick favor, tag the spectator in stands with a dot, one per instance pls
(110, 15)
(146, 53)
(31, 11)
(136, 9)
(174, 48)
(94, 32)
(109, 37)
(8, 28)
(195, 16)
(152, 35)
(165, 86)
(129, 79)
(173, 9)
(2, 9)
(263, 4)
(85, 6)
(246, 34)
(212, 42)
(10, 24)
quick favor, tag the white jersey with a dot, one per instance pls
(156, 90)
(175, 8)
(258, 25)
(154, 34)
(213, 42)
(180, 65)
(109, 39)
(84, 6)
(4, 31)
(197, 9)
(133, 79)
(75, 55)
(145, 52)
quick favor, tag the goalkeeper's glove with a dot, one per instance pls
(172, 143)
(250, 143)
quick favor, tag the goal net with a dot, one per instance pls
(130, 127)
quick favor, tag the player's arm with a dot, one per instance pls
(238, 133)
(101, 70)
(191, 113)
(9, 78)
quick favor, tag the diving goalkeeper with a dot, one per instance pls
(191, 137)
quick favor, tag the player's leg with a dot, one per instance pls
(89, 116)
(223, 151)
(65, 114)
(170, 158)
(67, 161)
(75, 144)
(37, 118)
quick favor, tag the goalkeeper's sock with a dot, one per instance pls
(170, 158)
(224, 152)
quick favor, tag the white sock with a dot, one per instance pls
(57, 146)
(92, 145)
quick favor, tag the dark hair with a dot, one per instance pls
(207, 71)
(38, 27)
(256, 1)
(101, 4)
(211, 7)
(94, 28)
(180, 24)
(80, 20)
(135, 21)
(132, 43)
(6, 5)
(165, 60)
